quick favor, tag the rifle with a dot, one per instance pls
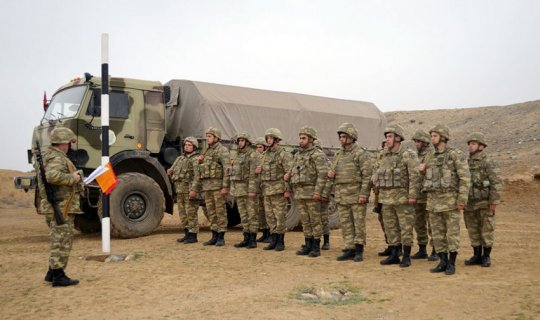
(51, 196)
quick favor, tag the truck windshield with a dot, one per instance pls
(65, 104)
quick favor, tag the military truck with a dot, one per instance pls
(148, 121)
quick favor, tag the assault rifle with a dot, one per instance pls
(49, 190)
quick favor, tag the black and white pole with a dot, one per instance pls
(106, 220)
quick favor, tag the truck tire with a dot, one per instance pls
(136, 206)
(88, 222)
(292, 218)
(233, 215)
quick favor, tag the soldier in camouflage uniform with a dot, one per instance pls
(325, 204)
(350, 172)
(243, 182)
(184, 172)
(64, 178)
(307, 176)
(274, 164)
(446, 180)
(260, 144)
(398, 181)
(484, 196)
(213, 166)
(422, 141)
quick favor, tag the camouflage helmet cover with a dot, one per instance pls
(421, 135)
(442, 130)
(244, 135)
(214, 131)
(260, 141)
(273, 132)
(193, 141)
(308, 131)
(395, 129)
(478, 137)
(349, 129)
(62, 135)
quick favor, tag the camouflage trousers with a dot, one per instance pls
(353, 224)
(275, 208)
(422, 227)
(445, 229)
(262, 217)
(61, 239)
(325, 205)
(187, 211)
(310, 215)
(248, 209)
(398, 224)
(216, 209)
(480, 224)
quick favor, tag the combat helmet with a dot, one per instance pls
(275, 133)
(308, 131)
(395, 129)
(244, 135)
(421, 135)
(214, 131)
(62, 135)
(478, 137)
(442, 130)
(260, 141)
(349, 129)
(193, 141)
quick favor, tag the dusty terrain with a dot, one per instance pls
(175, 281)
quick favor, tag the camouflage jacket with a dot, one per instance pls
(447, 179)
(254, 178)
(486, 182)
(397, 176)
(213, 169)
(58, 171)
(186, 173)
(352, 167)
(308, 173)
(241, 166)
(275, 163)
(422, 197)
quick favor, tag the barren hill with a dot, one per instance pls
(513, 132)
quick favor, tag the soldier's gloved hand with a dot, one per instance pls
(193, 195)
(316, 197)
(224, 192)
(331, 174)
(287, 194)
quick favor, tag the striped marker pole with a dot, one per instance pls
(106, 220)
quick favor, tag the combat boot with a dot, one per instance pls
(244, 242)
(386, 252)
(348, 254)
(393, 258)
(280, 242)
(476, 259)
(358, 252)
(220, 239)
(315, 248)
(252, 240)
(451, 266)
(180, 240)
(306, 248)
(433, 255)
(272, 244)
(406, 261)
(400, 250)
(486, 259)
(61, 280)
(443, 261)
(213, 240)
(326, 242)
(192, 238)
(265, 235)
(422, 253)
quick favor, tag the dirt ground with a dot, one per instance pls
(167, 280)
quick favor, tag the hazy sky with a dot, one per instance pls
(400, 55)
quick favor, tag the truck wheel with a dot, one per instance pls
(136, 206)
(292, 217)
(88, 222)
(233, 215)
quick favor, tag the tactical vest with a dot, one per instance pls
(439, 176)
(304, 170)
(240, 165)
(271, 164)
(346, 168)
(184, 171)
(479, 180)
(392, 171)
(211, 167)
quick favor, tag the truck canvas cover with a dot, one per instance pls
(196, 106)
